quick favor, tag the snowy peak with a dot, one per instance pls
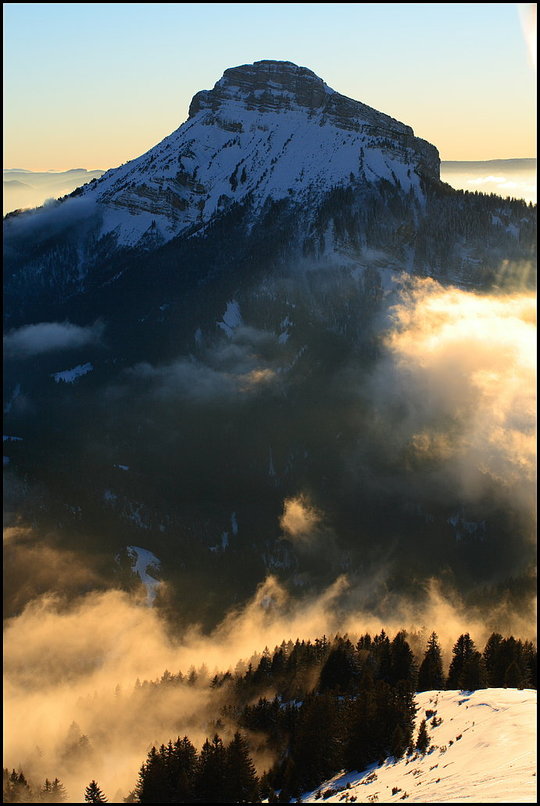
(265, 86)
(273, 86)
(266, 131)
(268, 86)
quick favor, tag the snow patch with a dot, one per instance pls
(71, 375)
(144, 562)
(232, 318)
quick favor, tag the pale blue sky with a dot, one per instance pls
(95, 84)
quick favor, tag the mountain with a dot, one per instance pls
(481, 750)
(196, 359)
(268, 137)
(268, 131)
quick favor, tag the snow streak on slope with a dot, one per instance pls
(143, 563)
(482, 751)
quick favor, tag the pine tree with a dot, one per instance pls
(53, 792)
(513, 677)
(463, 651)
(181, 769)
(513, 663)
(473, 673)
(362, 725)
(45, 792)
(530, 657)
(492, 654)
(402, 662)
(317, 746)
(430, 674)
(241, 782)
(58, 791)
(152, 786)
(340, 670)
(382, 655)
(423, 740)
(263, 670)
(210, 774)
(93, 794)
(399, 742)
(16, 788)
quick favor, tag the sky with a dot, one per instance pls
(94, 85)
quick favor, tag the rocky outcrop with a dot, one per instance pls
(270, 86)
(265, 86)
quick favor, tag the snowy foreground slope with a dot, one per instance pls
(483, 751)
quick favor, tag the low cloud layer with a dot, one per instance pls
(243, 362)
(514, 178)
(47, 337)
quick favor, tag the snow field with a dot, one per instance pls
(483, 750)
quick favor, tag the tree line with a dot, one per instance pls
(337, 704)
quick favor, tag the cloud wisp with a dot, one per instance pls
(47, 337)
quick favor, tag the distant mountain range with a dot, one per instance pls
(24, 188)
(488, 166)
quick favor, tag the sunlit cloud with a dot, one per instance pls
(299, 518)
(256, 378)
(463, 367)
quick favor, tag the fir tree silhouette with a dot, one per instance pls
(93, 794)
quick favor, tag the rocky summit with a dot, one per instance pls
(268, 86)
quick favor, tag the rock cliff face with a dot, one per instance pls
(274, 86)
(268, 86)
(269, 130)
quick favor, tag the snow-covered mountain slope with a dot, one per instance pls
(270, 130)
(482, 750)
